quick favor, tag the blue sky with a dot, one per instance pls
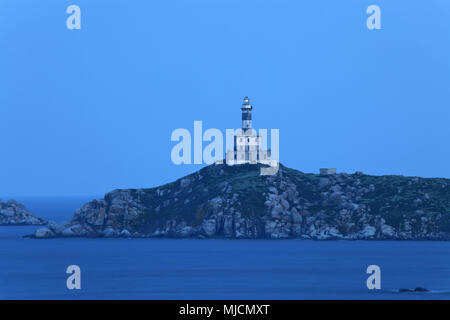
(86, 111)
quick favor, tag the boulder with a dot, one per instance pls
(368, 232)
(43, 233)
(209, 227)
(186, 231)
(109, 232)
(125, 233)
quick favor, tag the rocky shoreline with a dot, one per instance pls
(235, 202)
(13, 213)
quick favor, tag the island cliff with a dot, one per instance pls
(223, 201)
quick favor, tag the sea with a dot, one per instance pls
(213, 268)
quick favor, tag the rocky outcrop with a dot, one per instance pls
(14, 213)
(418, 289)
(237, 202)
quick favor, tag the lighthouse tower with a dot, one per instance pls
(246, 114)
(247, 144)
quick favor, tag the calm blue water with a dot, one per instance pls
(212, 269)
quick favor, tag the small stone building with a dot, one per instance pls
(327, 170)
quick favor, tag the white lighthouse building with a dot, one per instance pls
(247, 144)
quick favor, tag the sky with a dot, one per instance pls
(86, 111)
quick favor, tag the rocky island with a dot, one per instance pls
(221, 201)
(13, 213)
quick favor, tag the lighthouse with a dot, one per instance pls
(246, 114)
(247, 143)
